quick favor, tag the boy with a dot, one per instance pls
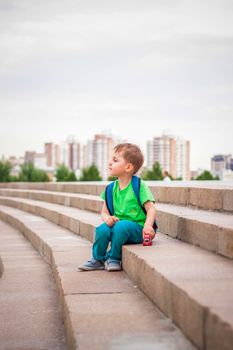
(129, 223)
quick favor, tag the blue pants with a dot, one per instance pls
(122, 232)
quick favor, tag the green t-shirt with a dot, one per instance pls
(126, 206)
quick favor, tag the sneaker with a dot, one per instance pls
(91, 265)
(113, 265)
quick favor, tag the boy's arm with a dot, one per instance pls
(106, 217)
(150, 218)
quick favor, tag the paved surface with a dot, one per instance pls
(30, 317)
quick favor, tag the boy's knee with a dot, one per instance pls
(122, 227)
(102, 230)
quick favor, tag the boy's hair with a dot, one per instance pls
(132, 154)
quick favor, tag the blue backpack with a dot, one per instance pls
(136, 183)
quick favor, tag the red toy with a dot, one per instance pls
(147, 241)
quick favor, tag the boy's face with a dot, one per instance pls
(118, 166)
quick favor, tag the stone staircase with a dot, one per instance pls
(187, 273)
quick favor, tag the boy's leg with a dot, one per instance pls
(103, 235)
(123, 232)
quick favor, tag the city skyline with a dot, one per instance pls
(172, 153)
(134, 68)
(72, 139)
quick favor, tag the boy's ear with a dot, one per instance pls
(129, 168)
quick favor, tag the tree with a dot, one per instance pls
(206, 175)
(71, 176)
(29, 173)
(154, 174)
(90, 174)
(64, 174)
(5, 169)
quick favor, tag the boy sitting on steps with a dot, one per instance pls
(129, 223)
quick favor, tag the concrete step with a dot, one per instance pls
(30, 315)
(170, 270)
(76, 200)
(209, 230)
(101, 310)
(208, 195)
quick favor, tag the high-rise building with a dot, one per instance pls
(57, 155)
(67, 153)
(99, 151)
(173, 154)
(221, 161)
(222, 166)
(73, 155)
(53, 155)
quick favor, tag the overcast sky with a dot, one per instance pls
(133, 67)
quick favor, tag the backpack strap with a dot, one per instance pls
(109, 197)
(136, 184)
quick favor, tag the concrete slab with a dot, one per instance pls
(208, 230)
(206, 198)
(228, 200)
(77, 282)
(142, 326)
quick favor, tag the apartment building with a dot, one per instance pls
(73, 155)
(99, 151)
(222, 166)
(37, 159)
(173, 154)
(52, 154)
(221, 162)
(67, 153)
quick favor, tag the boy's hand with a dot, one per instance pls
(149, 230)
(110, 220)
